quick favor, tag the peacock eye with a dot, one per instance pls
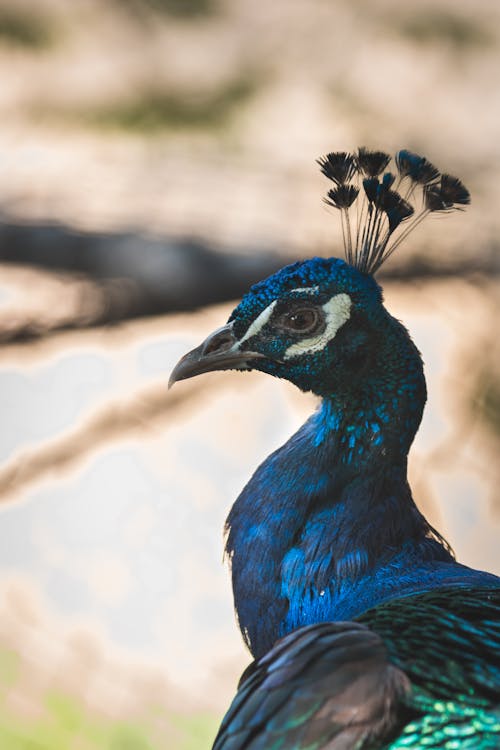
(302, 320)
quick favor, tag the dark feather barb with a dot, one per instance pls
(388, 179)
(416, 167)
(444, 195)
(338, 166)
(372, 163)
(454, 190)
(381, 210)
(397, 209)
(371, 185)
(434, 200)
(342, 196)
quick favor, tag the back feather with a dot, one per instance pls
(327, 685)
(423, 671)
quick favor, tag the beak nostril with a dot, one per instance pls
(219, 342)
(221, 350)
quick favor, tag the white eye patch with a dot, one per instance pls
(259, 322)
(337, 312)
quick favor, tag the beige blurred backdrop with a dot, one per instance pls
(155, 156)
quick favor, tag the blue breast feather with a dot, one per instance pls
(312, 539)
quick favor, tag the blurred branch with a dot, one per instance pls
(118, 420)
(116, 277)
(119, 276)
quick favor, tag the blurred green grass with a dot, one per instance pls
(486, 400)
(188, 9)
(65, 722)
(441, 26)
(31, 30)
(153, 109)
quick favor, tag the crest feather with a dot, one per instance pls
(384, 201)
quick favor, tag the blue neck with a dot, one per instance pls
(327, 526)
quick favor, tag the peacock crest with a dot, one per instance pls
(379, 207)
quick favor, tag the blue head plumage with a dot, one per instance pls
(310, 322)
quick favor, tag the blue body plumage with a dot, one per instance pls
(327, 527)
(327, 531)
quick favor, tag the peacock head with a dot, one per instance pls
(315, 323)
(321, 323)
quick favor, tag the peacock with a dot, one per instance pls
(365, 630)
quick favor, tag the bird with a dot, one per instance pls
(365, 630)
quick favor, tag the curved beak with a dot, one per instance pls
(219, 351)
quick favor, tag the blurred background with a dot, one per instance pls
(157, 157)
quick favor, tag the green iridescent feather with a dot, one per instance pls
(417, 672)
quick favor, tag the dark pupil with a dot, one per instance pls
(302, 320)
